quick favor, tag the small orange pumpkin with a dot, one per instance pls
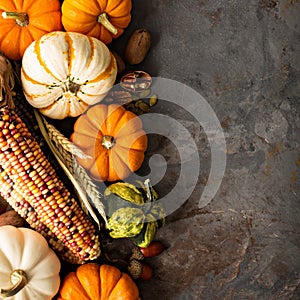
(92, 281)
(113, 139)
(22, 22)
(102, 19)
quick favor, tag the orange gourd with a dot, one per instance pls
(23, 21)
(102, 19)
(113, 139)
(92, 281)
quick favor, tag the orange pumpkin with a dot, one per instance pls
(113, 139)
(92, 281)
(23, 21)
(102, 19)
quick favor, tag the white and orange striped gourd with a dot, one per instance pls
(65, 72)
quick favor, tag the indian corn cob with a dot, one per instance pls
(31, 177)
(27, 212)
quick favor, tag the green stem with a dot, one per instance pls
(20, 17)
(103, 20)
(19, 279)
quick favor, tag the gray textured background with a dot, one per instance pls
(244, 58)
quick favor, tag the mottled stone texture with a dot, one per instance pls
(243, 56)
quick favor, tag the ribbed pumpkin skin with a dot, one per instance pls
(65, 72)
(44, 16)
(81, 16)
(92, 281)
(125, 156)
(25, 249)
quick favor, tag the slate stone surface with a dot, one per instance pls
(243, 57)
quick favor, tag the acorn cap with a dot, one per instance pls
(136, 254)
(135, 268)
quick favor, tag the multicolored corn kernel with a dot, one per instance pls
(34, 180)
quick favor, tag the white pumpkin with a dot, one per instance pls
(29, 269)
(64, 72)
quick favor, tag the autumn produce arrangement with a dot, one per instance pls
(65, 196)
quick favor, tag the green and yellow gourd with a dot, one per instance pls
(129, 216)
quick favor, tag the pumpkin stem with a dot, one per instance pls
(74, 87)
(105, 22)
(108, 142)
(20, 17)
(19, 279)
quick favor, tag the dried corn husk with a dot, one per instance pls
(64, 151)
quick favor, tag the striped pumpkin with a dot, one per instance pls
(65, 72)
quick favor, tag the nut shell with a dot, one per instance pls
(136, 81)
(11, 217)
(120, 62)
(137, 46)
(3, 205)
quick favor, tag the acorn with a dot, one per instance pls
(136, 254)
(147, 272)
(140, 270)
(154, 249)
